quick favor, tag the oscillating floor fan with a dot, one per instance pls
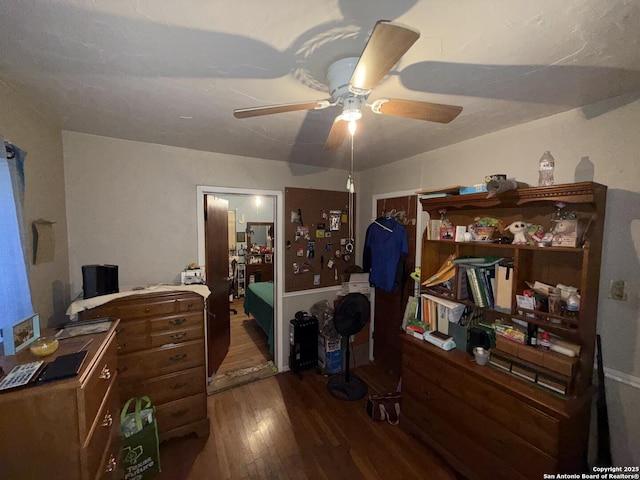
(349, 317)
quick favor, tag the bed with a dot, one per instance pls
(258, 302)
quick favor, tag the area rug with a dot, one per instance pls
(236, 378)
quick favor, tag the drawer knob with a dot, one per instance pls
(147, 310)
(178, 336)
(177, 321)
(176, 386)
(105, 374)
(179, 413)
(107, 421)
(177, 358)
(111, 464)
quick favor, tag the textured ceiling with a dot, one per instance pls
(171, 72)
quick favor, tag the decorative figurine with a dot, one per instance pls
(519, 231)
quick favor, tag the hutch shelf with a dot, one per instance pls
(484, 420)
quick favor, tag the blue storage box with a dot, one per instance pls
(479, 188)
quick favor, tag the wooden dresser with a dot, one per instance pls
(66, 429)
(161, 354)
(486, 424)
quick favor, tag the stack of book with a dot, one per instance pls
(476, 281)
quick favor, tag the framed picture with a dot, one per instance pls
(241, 237)
(565, 233)
(447, 233)
(268, 258)
(17, 336)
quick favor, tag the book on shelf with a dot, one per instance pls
(446, 191)
(410, 311)
(504, 288)
(434, 229)
(462, 284)
(478, 261)
(474, 283)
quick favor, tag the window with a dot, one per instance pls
(15, 295)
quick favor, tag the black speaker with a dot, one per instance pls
(99, 280)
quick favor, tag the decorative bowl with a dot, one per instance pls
(44, 346)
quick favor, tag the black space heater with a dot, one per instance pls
(303, 339)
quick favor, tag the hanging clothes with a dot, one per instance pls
(385, 242)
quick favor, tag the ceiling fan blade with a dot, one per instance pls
(285, 107)
(337, 134)
(386, 45)
(432, 112)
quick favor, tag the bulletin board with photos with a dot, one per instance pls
(317, 245)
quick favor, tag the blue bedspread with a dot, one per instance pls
(258, 302)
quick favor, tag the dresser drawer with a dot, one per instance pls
(167, 388)
(146, 309)
(161, 360)
(480, 462)
(181, 412)
(536, 427)
(176, 336)
(132, 335)
(465, 420)
(106, 310)
(179, 321)
(109, 467)
(92, 393)
(191, 304)
(106, 427)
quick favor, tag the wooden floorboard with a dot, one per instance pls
(290, 427)
(248, 345)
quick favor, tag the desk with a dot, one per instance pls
(67, 429)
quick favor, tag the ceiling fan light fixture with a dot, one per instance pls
(351, 109)
(352, 127)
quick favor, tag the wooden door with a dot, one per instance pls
(216, 243)
(389, 307)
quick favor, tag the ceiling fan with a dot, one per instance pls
(351, 80)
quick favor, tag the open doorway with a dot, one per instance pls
(251, 250)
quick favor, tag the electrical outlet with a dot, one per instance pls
(617, 290)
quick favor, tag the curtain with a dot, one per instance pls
(15, 295)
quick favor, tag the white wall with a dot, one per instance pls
(26, 127)
(608, 135)
(133, 204)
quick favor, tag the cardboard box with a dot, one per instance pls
(329, 353)
(330, 362)
(328, 344)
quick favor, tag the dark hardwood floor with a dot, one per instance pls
(287, 427)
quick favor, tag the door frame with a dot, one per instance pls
(201, 191)
(420, 220)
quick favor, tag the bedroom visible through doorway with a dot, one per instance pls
(251, 260)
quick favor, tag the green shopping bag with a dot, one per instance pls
(140, 452)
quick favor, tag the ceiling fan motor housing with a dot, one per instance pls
(338, 76)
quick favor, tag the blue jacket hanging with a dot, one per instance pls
(385, 242)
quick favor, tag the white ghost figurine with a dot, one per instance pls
(519, 231)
